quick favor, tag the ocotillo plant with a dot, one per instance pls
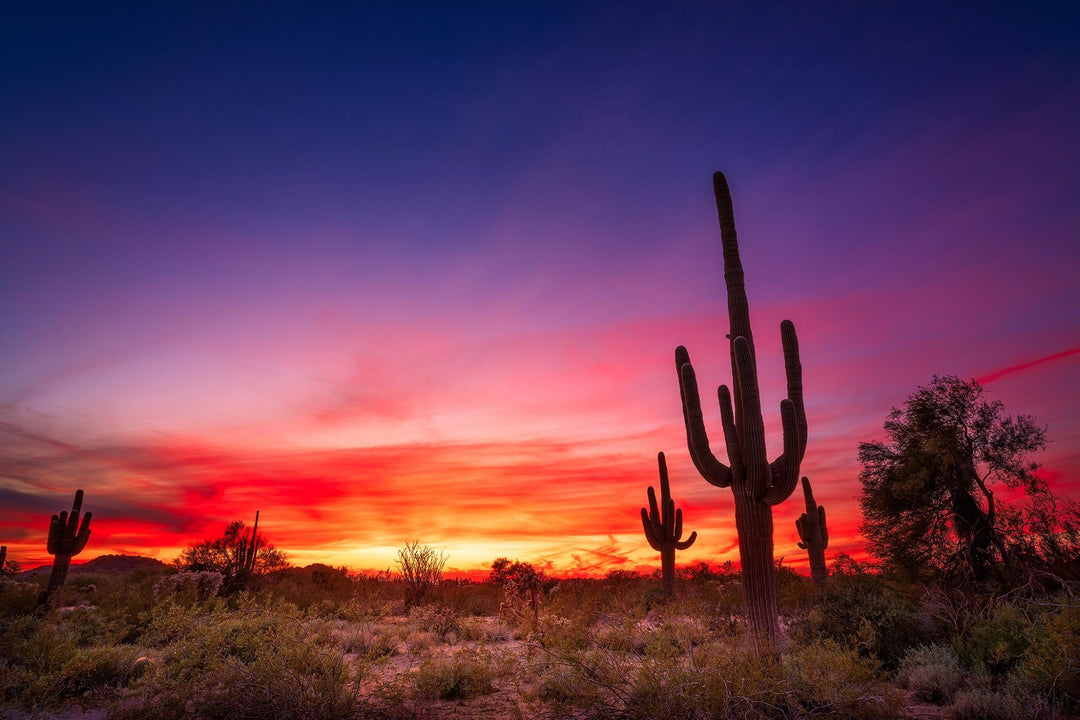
(755, 483)
(813, 533)
(663, 528)
(67, 538)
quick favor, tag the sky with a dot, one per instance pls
(396, 270)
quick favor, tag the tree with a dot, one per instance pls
(421, 569)
(239, 555)
(928, 492)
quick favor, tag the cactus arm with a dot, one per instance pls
(697, 441)
(752, 430)
(800, 526)
(82, 535)
(786, 476)
(687, 542)
(646, 522)
(793, 372)
(731, 431)
(654, 511)
(677, 532)
(789, 462)
(822, 528)
(55, 535)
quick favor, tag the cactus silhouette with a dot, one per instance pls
(67, 538)
(3, 557)
(756, 484)
(246, 561)
(813, 533)
(663, 528)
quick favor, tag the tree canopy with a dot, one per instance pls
(229, 555)
(929, 502)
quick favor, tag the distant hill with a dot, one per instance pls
(110, 564)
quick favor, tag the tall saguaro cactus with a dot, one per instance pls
(663, 528)
(756, 484)
(67, 538)
(813, 533)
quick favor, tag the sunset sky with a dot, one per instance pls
(407, 272)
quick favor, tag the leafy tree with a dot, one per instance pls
(928, 492)
(230, 556)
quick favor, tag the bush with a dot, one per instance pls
(933, 672)
(984, 704)
(997, 643)
(45, 665)
(17, 598)
(437, 619)
(251, 662)
(188, 588)
(826, 680)
(859, 611)
(464, 675)
(1051, 665)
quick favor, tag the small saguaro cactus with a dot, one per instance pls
(3, 558)
(663, 528)
(756, 484)
(67, 538)
(250, 551)
(813, 533)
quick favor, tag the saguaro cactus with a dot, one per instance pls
(755, 483)
(3, 558)
(663, 528)
(813, 533)
(249, 552)
(67, 538)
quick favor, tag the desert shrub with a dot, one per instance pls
(793, 591)
(997, 643)
(169, 622)
(468, 598)
(828, 680)
(858, 610)
(466, 674)
(375, 595)
(1051, 665)
(474, 629)
(17, 598)
(46, 662)
(986, 704)
(676, 671)
(250, 662)
(316, 587)
(366, 639)
(438, 619)
(933, 672)
(188, 588)
(560, 686)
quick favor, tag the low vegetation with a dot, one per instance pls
(318, 642)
